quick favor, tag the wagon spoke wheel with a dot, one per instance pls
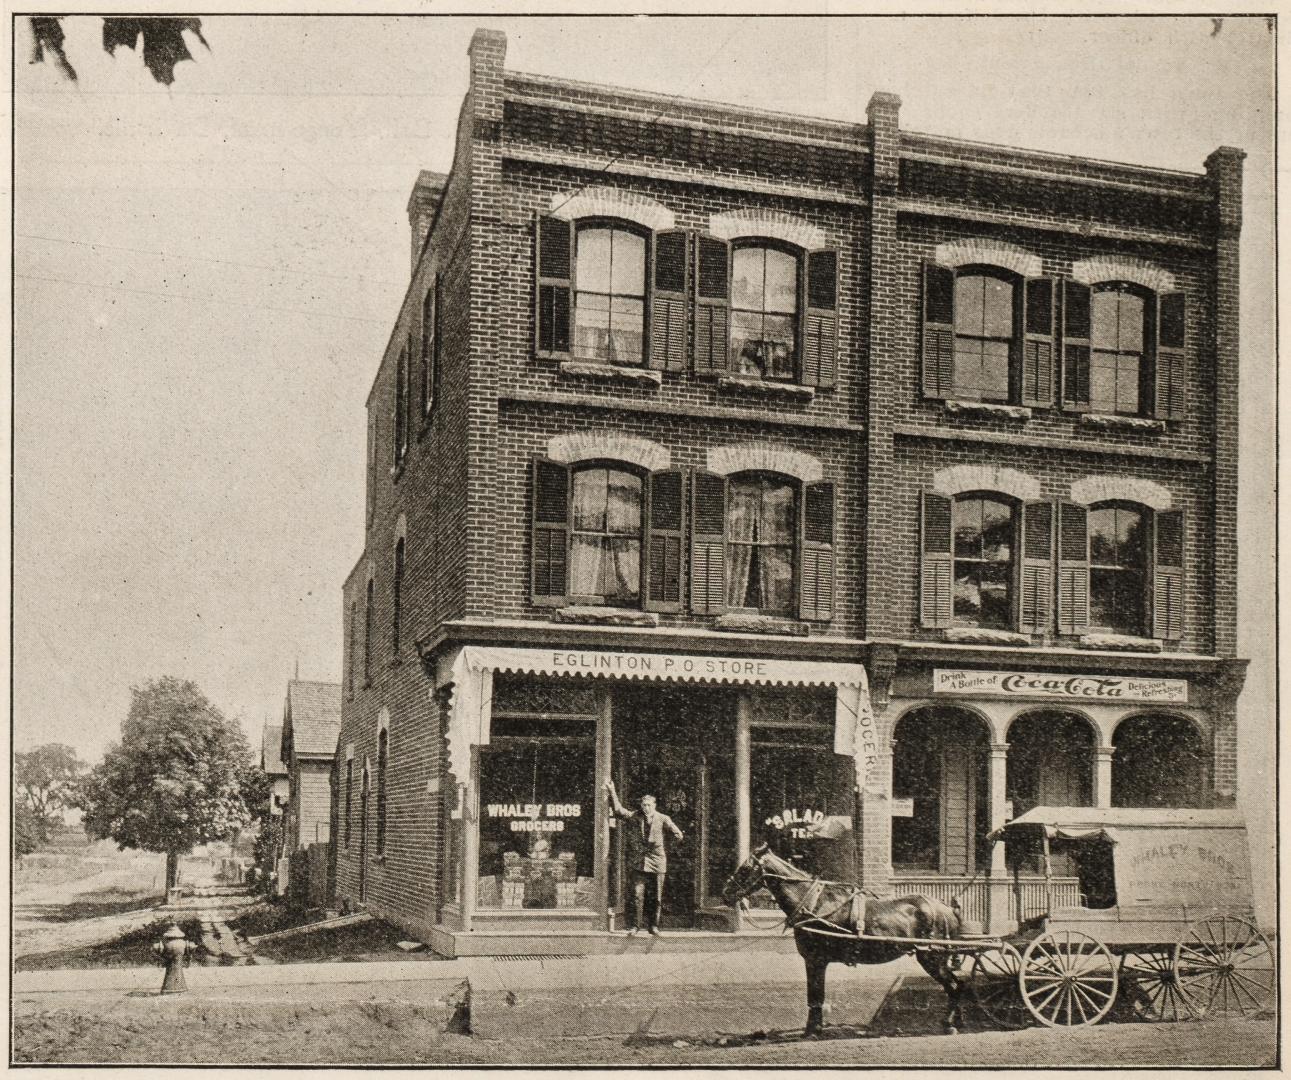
(1225, 967)
(1068, 979)
(993, 981)
(1150, 986)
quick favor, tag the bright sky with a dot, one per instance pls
(207, 275)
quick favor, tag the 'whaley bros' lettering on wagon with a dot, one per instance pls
(1108, 688)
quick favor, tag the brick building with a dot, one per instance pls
(760, 462)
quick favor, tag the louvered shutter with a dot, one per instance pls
(708, 544)
(712, 304)
(1076, 302)
(937, 571)
(552, 303)
(820, 322)
(1035, 604)
(1037, 343)
(816, 573)
(1171, 394)
(1073, 568)
(550, 550)
(664, 530)
(938, 331)
(1167, 575)
(668, 304)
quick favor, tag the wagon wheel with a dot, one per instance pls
(1151, 987)
(1068, 979)
(1225, 967)
(993, 981)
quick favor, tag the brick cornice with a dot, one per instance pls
(913, 431)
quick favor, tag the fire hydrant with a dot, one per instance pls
(171, 950)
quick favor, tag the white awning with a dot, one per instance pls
(474, 665)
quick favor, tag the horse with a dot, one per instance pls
(838, 922)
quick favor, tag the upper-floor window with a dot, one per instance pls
(988, 336)
(605, 540)
(609, 295)
(764, 312)
(761, 528)
(349, 799)
(1117, 568)
(367, 631)
(401, 406)
(1123, 350)
(383, 754)
(430, 346)
(372, 467)
(396, 588)
(352, 651)
(984, 531)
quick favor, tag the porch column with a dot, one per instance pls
(601, 852)
(998, 918)
(1103, 775)
(743, 754)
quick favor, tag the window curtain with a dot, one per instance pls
(760, 531)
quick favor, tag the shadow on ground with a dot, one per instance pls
(111, 900)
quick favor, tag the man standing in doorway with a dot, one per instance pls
(647, 858)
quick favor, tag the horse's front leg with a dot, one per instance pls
(815, 994)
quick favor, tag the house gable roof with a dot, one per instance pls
(312, 718)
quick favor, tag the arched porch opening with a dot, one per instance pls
(1160, 760)
(1050, 761)
(940, 771)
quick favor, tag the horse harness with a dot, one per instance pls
(852, 909)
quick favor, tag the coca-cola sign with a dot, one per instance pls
(1108, 689)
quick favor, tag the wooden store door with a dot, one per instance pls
(651, 757)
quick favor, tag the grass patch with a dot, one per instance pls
(362, 942)
(131, 949)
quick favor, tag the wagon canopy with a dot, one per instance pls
(1184, 858)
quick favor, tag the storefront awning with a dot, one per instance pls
(474, 666)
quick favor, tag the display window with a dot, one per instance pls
(802, 799)
(537, 815)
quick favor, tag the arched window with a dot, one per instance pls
(984, 530)
(354, 645)
(396, 616)
(761, 524)
(1159, 761)
(1117, 336)
(383, 753)
(349, 799)
(609, 294)
(367, 632)
(1118, 567)
(605, 542)
(984, 331)
(401, 406)
(764, 311)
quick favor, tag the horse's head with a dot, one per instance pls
(747, 877)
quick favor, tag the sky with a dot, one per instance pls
(206, 277)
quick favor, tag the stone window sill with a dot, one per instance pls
(988, 410)
(766, 387)
(1118, 643)
(606, 616)
(975, 635)
(611, 373)
(1112, 422)
(740, 623)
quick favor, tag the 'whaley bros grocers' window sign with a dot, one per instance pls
(1105, 689)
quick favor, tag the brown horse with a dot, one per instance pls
(833, 921)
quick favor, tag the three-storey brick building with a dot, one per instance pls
(840, 486)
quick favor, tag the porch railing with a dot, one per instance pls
(973, 895)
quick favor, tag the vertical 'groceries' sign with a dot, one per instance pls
(1108, 689)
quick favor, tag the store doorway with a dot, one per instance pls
(658, 739)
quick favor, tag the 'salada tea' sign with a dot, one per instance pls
(1108, 688)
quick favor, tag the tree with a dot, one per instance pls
(163, 41)
(177, 778)
(26, 835)
(46, 777)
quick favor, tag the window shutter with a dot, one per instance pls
(820, 321)
(816, 573)
(665, 528)
(937, 571)
(555, 258)
(668, 305)
(1037, 343)
(1076, 304)
(1035, 608)
(938, 331)
(1073, 568)
(1171, 392)
(1167, 575)
(708, 544)
(712, 304)
(550, 551)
